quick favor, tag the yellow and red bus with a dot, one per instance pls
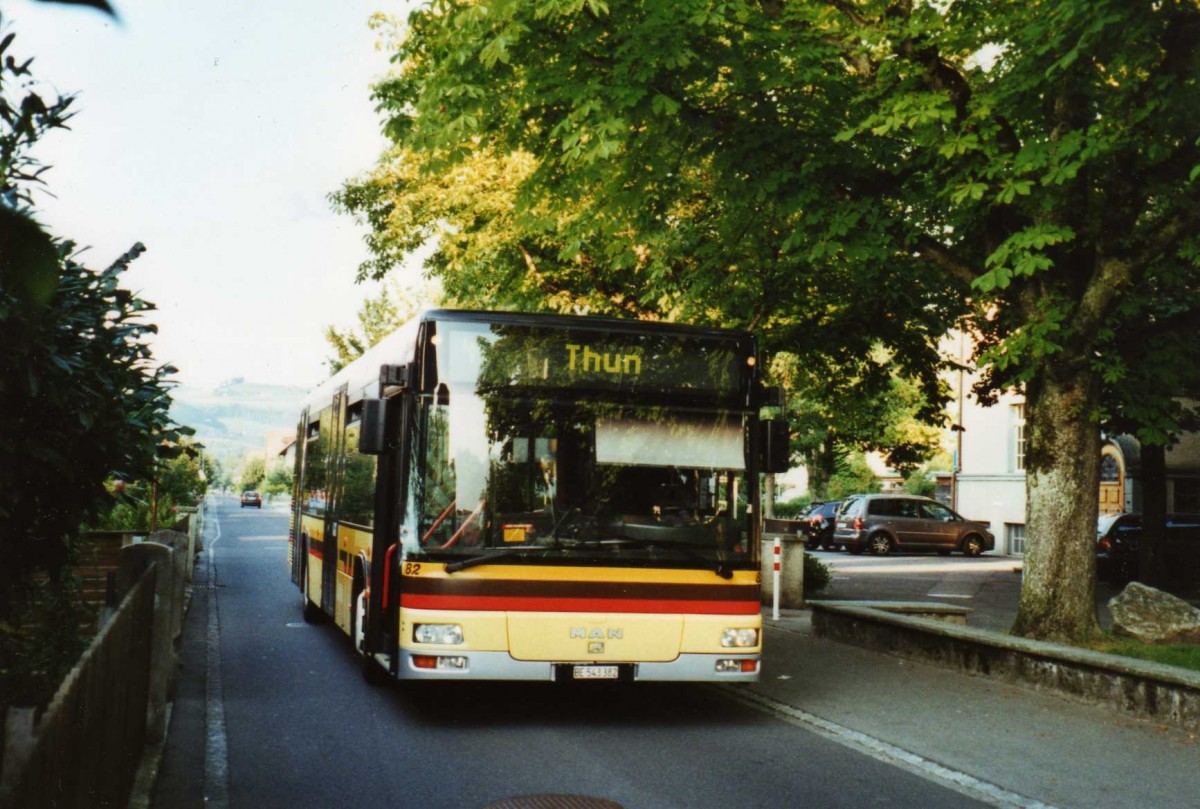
(505, 496)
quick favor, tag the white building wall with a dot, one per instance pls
(989, 485)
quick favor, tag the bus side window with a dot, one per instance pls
(358, 484)
(314, 495)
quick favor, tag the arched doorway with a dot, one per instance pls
(1112, 480)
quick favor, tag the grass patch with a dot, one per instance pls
(1181, 656)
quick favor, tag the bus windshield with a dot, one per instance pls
(552, 471)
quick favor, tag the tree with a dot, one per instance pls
(81, 396)
(501, 245)
(254, 471)
(377, 317)
(1151, 388)
(833, 415)
(920, 481)
(181, 477)
(81, 399)
(279, 478)
(214, 474)
(841, 175)
(853, 475)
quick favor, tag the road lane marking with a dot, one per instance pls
(879, 750)
(216, 744)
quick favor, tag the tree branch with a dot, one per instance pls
(1114, 273)
(945, 259)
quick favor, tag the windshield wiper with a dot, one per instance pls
(488, 558)
(721, 569)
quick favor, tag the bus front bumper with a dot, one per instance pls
(477, 665)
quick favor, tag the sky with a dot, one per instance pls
(213, 132)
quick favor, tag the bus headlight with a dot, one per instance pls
(444, 634)
(739, 638)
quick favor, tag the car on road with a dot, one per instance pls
(882, 523)
(250, 498)
(1118, 545)
(818, 524)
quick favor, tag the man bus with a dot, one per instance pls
(509, 496)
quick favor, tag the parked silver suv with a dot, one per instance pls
(882, 523)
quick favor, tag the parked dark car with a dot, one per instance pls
(846, 504)
(882, 523)
(251, 499)
(818, 525)
(1118, 543)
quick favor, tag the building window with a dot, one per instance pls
(1014, 538)
(1187, 495)
(1018, 420)
(1110, 469)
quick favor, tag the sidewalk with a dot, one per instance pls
(990, 585)
(1045, 749)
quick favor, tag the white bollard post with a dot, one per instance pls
(775, 577)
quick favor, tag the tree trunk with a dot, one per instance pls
(1062, 464)
(822, 463)
(1151, 564)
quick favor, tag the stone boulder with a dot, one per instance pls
(1153, 616)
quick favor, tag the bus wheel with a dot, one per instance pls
(372, 672)
(312, 612)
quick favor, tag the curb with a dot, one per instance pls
(1136, 687)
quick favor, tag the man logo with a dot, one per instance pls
(583, 633)
(596, 647)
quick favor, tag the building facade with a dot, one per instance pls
(989, 475)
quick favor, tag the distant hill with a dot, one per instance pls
(235, 418)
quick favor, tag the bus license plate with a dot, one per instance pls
(595, 673)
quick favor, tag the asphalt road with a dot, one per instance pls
(272, 712)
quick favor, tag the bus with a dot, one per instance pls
(504, 496)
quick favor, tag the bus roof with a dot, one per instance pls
(361, 377)
(582, 322)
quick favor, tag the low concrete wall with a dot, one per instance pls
(791, 569)
(1139, 688)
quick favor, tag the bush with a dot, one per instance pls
(182, 482)
(790, 509)
(816, 574)
(40, 641)
(279, 479)
(854, 476)
(919, 483)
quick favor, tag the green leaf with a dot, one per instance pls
(28, 258)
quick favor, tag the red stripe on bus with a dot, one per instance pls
(316, 554)
(468, 586)
(622, 605)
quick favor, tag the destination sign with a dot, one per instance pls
(600, 362)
